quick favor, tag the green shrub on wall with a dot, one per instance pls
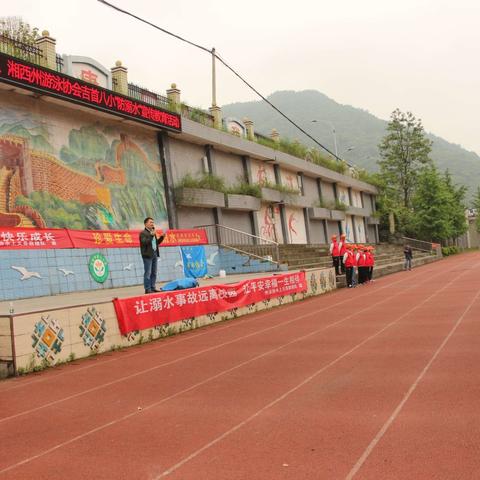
(446, 251)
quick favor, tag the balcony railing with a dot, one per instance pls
(147, 96)
(24, 51)
(59, 63)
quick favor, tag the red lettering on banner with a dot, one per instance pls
(28, 238)
(17, 238)
(138, 313)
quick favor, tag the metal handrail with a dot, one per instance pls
(263, 239)
(245, 243)
(418, 244)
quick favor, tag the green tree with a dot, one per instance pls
(404, 152)
(476, 205)
(431, 220)
(17, 29)
(456, 205)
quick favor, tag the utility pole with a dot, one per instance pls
(214, 80)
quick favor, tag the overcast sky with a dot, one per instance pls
(418, 55)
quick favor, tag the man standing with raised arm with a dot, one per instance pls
(150, 239)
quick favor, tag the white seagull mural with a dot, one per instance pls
(26, 275)
(66, 272)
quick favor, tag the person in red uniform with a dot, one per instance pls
(335, 253)
(342, 246)
(370, 262)
(362, 268)
(349, 262)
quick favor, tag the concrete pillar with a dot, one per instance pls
(307, 225)
(354, 226)
(119, 78)
(212, 168)
(168, 184)
(250, 131)
(47, 46)
(216, 112)
(319, 188)
(247, 169)
(335, 193)
(173, 95)
(275, 136)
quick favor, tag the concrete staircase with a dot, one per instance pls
(388, 258)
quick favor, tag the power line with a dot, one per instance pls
(213, 52)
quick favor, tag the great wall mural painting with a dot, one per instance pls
(64, 168)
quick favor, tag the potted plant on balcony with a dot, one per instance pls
(206, 190)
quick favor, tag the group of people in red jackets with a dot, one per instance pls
(355, 261)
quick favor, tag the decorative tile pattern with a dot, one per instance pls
(323, 281)
(93, 329)
(48, 337)
(131, 337)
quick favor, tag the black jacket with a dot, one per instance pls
(146, 244)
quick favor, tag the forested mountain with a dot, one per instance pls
(358, 132)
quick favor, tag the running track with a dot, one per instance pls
(379, 382)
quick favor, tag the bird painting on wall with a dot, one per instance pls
(26, 275)
(211, 258)
(128, 267)
(66, 272)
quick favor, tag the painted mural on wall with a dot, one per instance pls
(342, 193)
(269, 223)
(262, 173)
(347, 226)
(64, 168)
(296, 225)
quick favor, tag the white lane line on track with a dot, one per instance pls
(153, 405)
(194, 334)
(186, 357)
(294, 389)
(239, 322)
(363, 458)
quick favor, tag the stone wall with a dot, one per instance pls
(59, 335)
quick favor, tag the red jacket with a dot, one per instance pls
(343, 248)
(349, 259)
(370, 260)
(361, 259)
(334, 249)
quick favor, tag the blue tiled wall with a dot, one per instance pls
(53, 281)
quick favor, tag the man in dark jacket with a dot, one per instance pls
(408, 254)
(150, 239)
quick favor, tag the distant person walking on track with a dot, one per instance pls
(408, 253)
(150, 239)
(342, 247)
(335, 253)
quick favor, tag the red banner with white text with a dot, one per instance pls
(147, 311)
(129, 238)
(33, 238)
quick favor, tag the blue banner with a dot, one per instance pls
(194, 261)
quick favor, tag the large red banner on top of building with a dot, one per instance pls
(139, 313)
(18, 72)
(31, 239)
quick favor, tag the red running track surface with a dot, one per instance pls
(379, 382)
